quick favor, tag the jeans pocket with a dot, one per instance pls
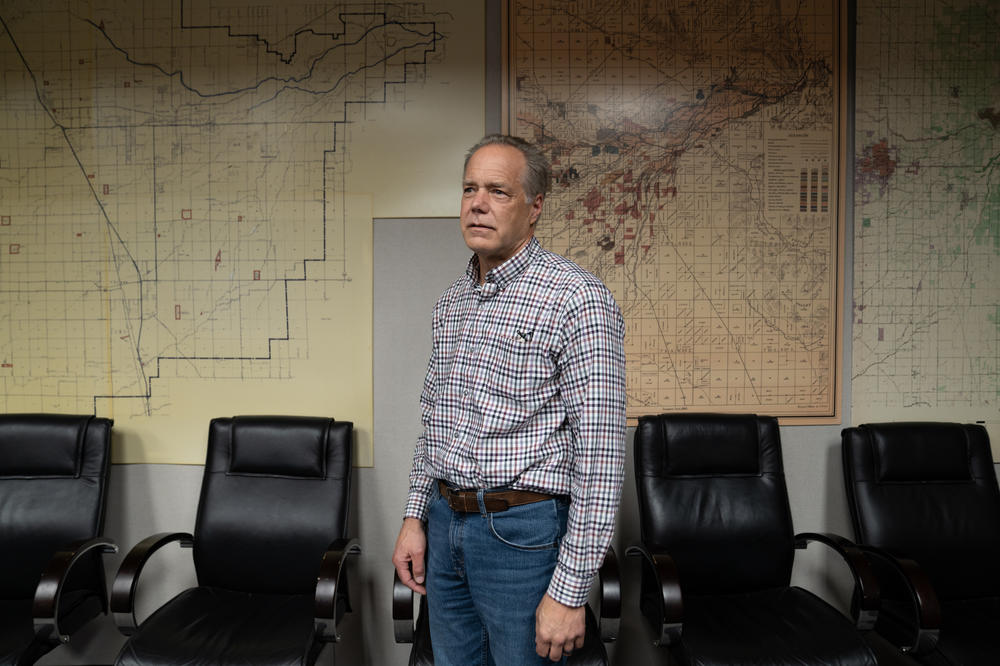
(536, 526)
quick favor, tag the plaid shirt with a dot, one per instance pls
(526, 389)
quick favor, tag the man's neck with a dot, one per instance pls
(488, 264)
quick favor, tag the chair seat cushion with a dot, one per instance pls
(969, 630)
(779, 626)
(205, 625)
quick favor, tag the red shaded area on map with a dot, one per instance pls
(875, 165)
(877, 161)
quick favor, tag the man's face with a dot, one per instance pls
(496, 220)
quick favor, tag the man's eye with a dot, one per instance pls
(500, 193)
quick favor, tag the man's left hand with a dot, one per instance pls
(559, 629)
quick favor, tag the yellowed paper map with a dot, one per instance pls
(186, 199)
(695, 148)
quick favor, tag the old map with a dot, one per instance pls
(186, 198)
(926, 339)
(695, 150)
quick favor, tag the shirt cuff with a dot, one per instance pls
(568, 588)
(416, 505)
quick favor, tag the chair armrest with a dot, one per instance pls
(45, 608)
(610, 582)
(866, 597)
(915, 625)
(331, 591)
(403, 623)
(661, 600)
(126, 580)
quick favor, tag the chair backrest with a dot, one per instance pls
(928, 491)
(712, 494)
(53, 487)
(275, 494)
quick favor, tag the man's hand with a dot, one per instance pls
(559, 629)
(409, 554)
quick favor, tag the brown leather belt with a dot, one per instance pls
(467, 501)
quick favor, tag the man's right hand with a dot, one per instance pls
(408, 556)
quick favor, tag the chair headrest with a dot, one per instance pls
(302, 452)
(920, 452)
(705, 444)
(41, 445)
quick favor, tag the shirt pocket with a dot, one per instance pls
(516, 372)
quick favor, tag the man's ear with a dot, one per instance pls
(536, 207)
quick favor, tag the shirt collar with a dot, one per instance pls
(501, 276)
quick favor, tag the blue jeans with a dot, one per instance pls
(486, 574)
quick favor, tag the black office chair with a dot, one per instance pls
(53, 489)
(718, 547)
(925, 504)
(270, 550)
(593, 652)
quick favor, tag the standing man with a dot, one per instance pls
(517, 476)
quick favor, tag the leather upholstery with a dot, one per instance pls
(217, 626)
(726, 473)
(712, 496)
(286, 517)
(274, 496)
(927, 491)
(53, 483)
(784, 625)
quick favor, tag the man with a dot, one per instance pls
(519, 468)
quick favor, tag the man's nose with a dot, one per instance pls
(480, 201)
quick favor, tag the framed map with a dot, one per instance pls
(696, 150)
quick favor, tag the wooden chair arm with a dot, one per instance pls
(48, 592)
(662, 603)
(331, 586)
(866, 597)
(610, 582)
(917, 631)
(403, 621)
(126, 580)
